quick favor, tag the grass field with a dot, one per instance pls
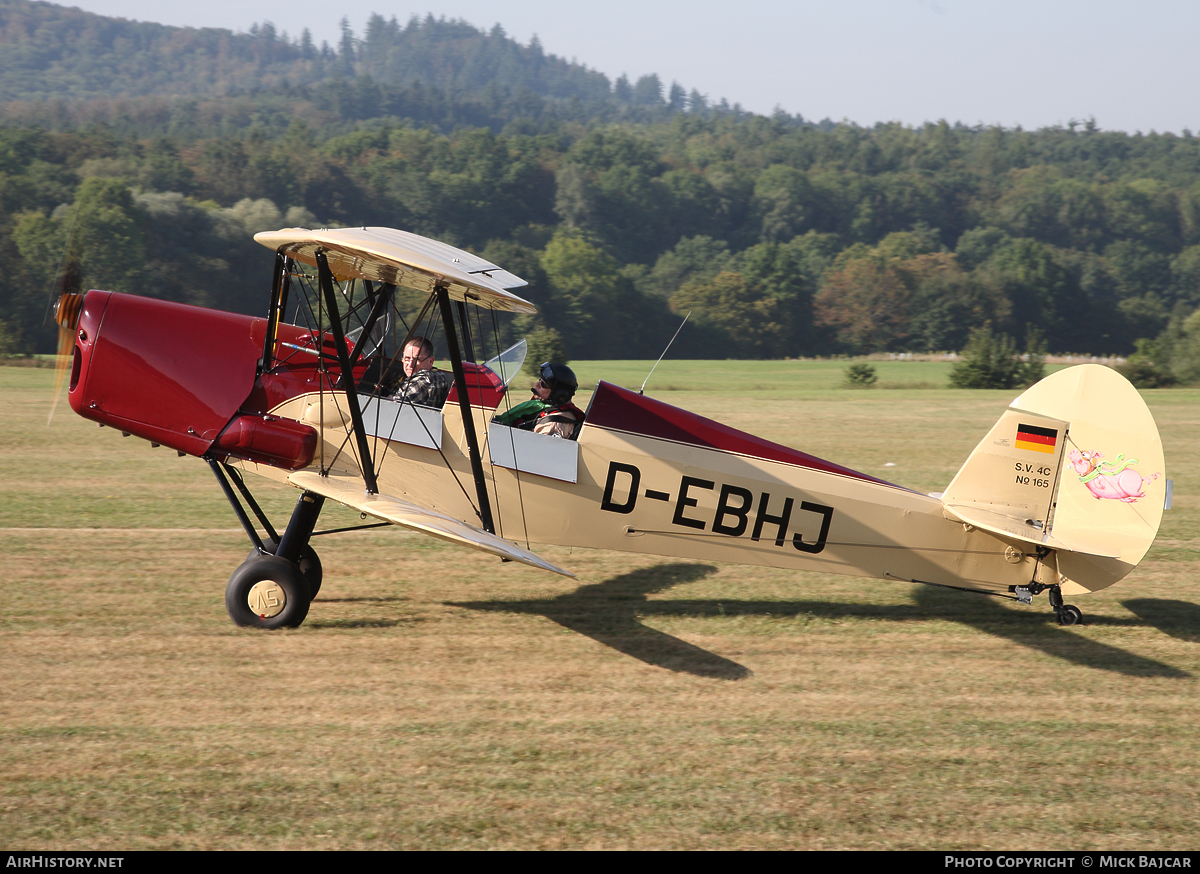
(439, 699)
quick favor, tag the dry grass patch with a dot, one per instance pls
(437, 698)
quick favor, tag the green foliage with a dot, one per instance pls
(860, 375)
(977, 245)
(1180, 345)
(137, 58)
(992, 361)
(692, 258)
(1145, 374)
(1185, 275)
(617, 201)
(587, 283)
(1171, 358)
(748, 320)
(9, 344)
(1147, 366)
(610, 188)
(109, 236)
(784, 197)
(1034, 358)
(545, 344)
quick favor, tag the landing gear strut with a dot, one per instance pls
(1067, 614)
(309, 563)
(273, 587)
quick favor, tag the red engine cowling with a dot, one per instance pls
(168, 372)
(187, 377)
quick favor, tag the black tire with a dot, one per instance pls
(267, 592)
(310, 564)
(1070, 615)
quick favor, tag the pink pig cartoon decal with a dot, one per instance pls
(1113, 480)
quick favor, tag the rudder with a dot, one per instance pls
(1087, 427)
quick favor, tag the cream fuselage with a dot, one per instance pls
(663, 494)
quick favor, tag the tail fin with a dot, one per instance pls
(1075, 465)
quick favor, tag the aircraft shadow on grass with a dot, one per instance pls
(611, 613)
(1175, 618)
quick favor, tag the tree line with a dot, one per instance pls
(625, 205)
(783, 241)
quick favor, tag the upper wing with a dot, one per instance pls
(350, 493)
(401, 258)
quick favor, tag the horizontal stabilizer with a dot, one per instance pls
(406, 515)
(1021, 529)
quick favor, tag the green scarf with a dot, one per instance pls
(523, 411)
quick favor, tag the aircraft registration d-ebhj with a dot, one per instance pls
(1064, 495)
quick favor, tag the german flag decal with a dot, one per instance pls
(1036, 439)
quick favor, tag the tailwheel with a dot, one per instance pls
(1066, 614)
(267, 592)
(1069, 614)
(310, 564)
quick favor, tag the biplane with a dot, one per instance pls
(1064, 495)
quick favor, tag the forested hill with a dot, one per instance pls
(623, 205)
(54, 53)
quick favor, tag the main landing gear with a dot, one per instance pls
(273, 587)
(309, 563)
(267, 592)
(1066, 614)
(276, 583)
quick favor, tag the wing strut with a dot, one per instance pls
(464, 406)
(325, 277)
(280, 283)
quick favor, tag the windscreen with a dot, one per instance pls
(508, 363)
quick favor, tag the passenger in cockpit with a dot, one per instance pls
(550, 411)
(424, 384)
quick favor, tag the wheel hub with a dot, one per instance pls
(266, 599)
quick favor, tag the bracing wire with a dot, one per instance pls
(431, 330)
(487, 429)
(317, 316)
(481, 339)
(512, 446)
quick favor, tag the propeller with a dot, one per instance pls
(66, 312)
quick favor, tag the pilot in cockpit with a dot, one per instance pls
(550, 411)
(423, 384)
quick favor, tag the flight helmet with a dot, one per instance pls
(561, 380)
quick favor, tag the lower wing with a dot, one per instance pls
(406, 515)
